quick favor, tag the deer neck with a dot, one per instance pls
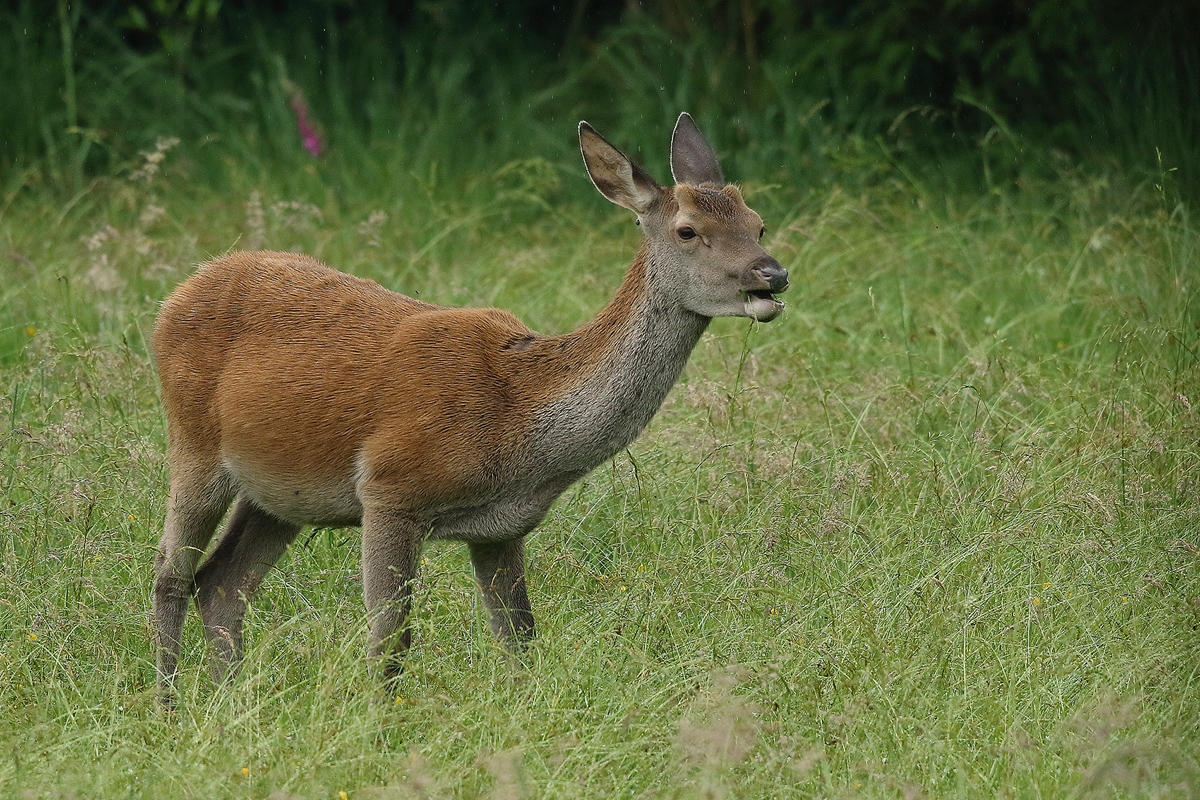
(613, 374)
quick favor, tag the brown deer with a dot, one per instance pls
(307, 396)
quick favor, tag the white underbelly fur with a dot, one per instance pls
(298, 500)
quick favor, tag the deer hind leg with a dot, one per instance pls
(197, 501)
(391, 549)
(500, 572)
(253, 541)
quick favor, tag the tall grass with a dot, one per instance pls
(931, 533)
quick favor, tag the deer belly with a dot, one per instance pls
(325, 497)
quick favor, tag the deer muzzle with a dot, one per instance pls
(763, 279)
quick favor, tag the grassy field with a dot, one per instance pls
(932, 533)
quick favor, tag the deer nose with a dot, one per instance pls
(767, 269)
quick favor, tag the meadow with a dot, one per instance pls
(931, 533)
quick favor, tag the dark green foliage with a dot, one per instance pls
(798, 91)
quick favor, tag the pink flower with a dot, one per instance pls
(312, 139)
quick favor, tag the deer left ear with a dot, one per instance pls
(615, 175)
(693, 160)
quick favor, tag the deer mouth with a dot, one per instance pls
(762, 305)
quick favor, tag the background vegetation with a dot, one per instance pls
(931, 533)
(796, 90)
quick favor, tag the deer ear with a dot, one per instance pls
(617, 178)
(692, 158)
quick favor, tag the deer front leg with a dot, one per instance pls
(391, 550)
(500, 572)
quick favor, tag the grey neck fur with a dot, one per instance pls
(644, 341)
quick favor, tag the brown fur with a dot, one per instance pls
(313, 397)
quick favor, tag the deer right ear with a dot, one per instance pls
(614, 174)
(692, 158)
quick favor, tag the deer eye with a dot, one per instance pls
(762, 232)
(686, 233)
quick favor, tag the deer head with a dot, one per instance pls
(703, 239)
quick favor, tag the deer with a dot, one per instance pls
(301, 395)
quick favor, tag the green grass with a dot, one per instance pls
(931, 533)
